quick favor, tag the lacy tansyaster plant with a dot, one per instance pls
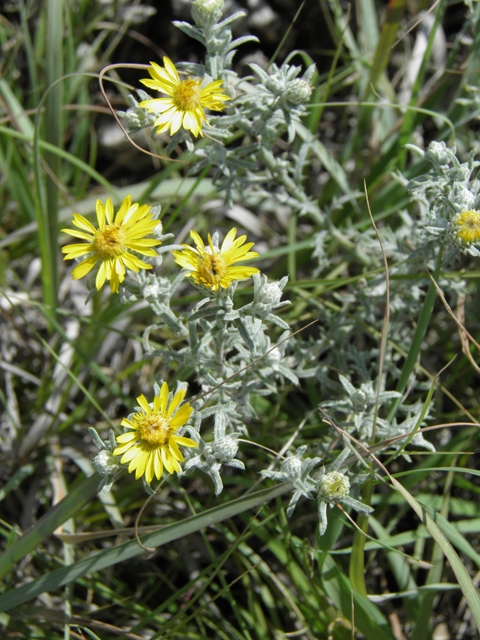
(260, 111)
(327, 487)
(186, 102)
(150, 441)
(215, 269)
(218, 341)
(448, 195)
(359, 407)
(113, 242)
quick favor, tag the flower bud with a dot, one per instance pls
(271, 293)
(207, 12)
(105, 463)
(151, 289)
(439, 153)
(226, 448)
(274, 84)
(298, 91)
(333, 486)
(291, 467)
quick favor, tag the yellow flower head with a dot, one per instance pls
(466, 226)
(112, 242)
(184, 108)
(152, 442)
(213, 268)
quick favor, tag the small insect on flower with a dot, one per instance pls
(466, 227)
(187, 101)
(213, 268)
(112, 242)
(151, 442)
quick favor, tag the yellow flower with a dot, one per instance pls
(213, 268)
(184, 107)
(467, 226)
(152, 443)
(111, 242)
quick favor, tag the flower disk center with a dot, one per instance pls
(155, 430)
(186, 96)
(110, 242)
(213, 269)
(468, 228)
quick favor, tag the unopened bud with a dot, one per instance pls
(333, 486)
(291, 467)
(298, 91)
(226, 448)
(105, 463)
(207, 12)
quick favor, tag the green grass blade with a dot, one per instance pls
(47, 209)
(423, 413)
(464, 580)
(130, 549)
(368, 618)
(466, 584)
(368, 24)
(342, 26)
(61, 153)
(357, 559)
(30, 53)
(12, 160)
(17, 478)
(56, 516)
(16, 110)
(418, 337)
(395, 12)
(15, 171)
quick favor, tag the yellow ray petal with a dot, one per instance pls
(78, 234)
(163, 398)
(101, 276)
(130, 437)
(124, 207)
(150, 468)
(82, 223)
(181, 417)
(177, 399)
(84, 267)
(142, 402)
(158, 464)
(109, 211)
(140, 464)
(130, 454)
(100, 210)
(185, 442)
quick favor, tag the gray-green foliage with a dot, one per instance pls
(261, 111)
(359, 408)
(219, 341)
(327, 487)
(443, 193)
